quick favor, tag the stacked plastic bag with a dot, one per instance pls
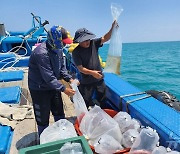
(129, 127)
(107, 134)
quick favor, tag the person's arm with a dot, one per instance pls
(94, 73)
(48, 75)
(107, 36)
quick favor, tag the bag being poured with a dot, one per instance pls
(115, 46)
(79, 103)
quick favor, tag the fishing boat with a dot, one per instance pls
(15, 48)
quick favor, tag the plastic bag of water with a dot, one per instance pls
(107, 144)
(79, 103)
(71, 148)
(129, 137)
(115, 46)
(123, 119)
(173, 152)
(146, 142)
(59, 130)
(159, 150)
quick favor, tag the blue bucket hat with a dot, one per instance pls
(82, 35)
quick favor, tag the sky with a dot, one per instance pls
(140, 21)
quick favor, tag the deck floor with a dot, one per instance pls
(25, 132)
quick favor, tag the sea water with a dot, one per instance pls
(150, 66)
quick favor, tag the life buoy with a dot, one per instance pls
(166, 98)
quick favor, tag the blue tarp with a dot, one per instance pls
(11, 76)
(10, 94)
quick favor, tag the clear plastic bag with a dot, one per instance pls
(71, 148)
(79, 103)
(131, 124)
(129, 137)
(173, 152)
(159, 150)
(123, 119)
(135, 124)
(116, 10)
(59, 130)
(96, 122)
(115, 46)
(146, 142)
(125, 122)
(106, 144)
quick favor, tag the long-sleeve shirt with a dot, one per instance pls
(46, 68)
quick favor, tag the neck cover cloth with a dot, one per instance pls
(54, 38)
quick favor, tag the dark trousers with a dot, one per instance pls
(44, 102)
(87, 91)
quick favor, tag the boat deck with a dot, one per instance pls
(25, 132)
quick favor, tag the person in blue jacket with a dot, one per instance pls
(46, 68)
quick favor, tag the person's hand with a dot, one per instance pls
(115, 24)
(97, 74)
(69, 91)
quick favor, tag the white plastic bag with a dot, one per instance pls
(115, 46)
(96, 123)
(131, 124)
(71, 148)
(123, 119)
(59, 130)
(106, 144)
(79, 103)
(173, 152)
(146, 142)
(116, 10)
(159, 150)
(129, 137)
